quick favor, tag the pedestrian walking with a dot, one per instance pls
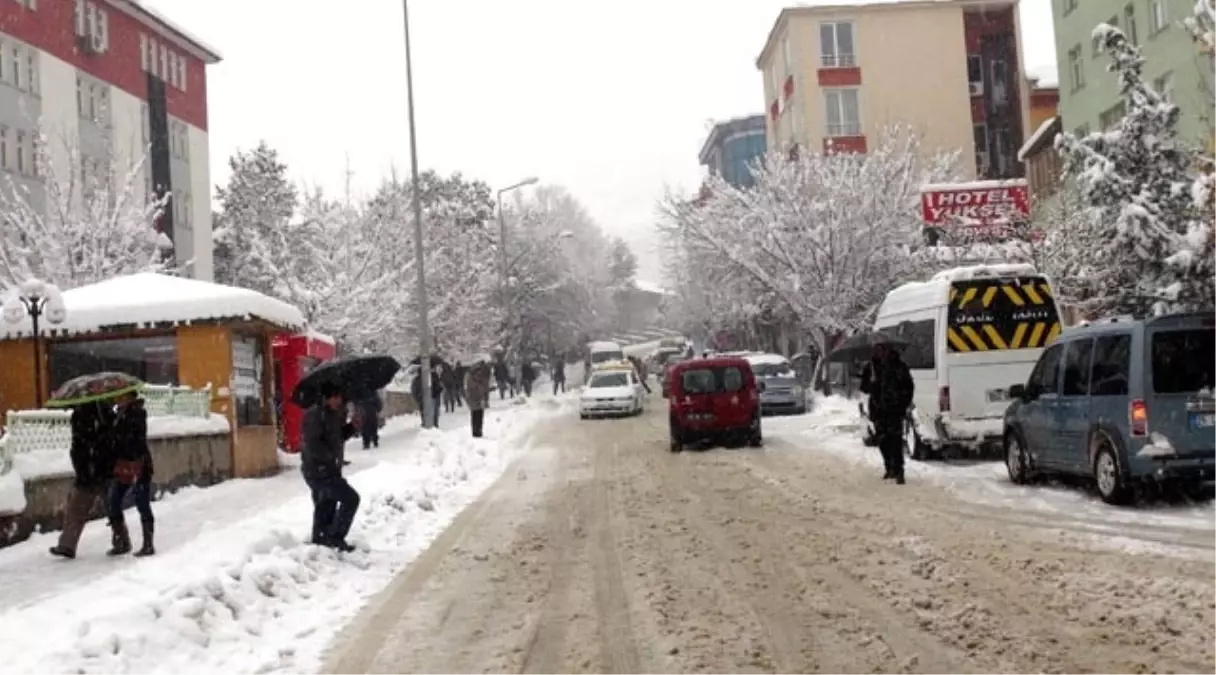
(461, 371)
(436, 394)
(640, 370)
(448, 380)
(502, 376)
(477, 390)
(92, 455)
(527, 375)
(890, 398)
(559, 375)
(335, 502)
(132, 473)
(369, 420)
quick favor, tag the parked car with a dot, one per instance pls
(782, 393)
(714, 399)
(1123, 401)
(612, 391)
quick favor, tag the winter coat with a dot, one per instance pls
(325, 431)
(501, 372)
(477, 386)
(369, 413)
(131, 436)
(92, 450)
(447, 378)
(891, 390)
(527, 373)
(559, 372)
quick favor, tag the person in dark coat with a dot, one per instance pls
(527, 375)
(92, 455)
(447, 379)
(502, 375)
(461, 371)
(335, 502)
(369, 421)
(132, 473)
(477, 388)
(891, 392)
(559, 375)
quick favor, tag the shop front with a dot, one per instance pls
(295, 355)
(165, 330)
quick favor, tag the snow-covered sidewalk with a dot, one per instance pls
(234, 587)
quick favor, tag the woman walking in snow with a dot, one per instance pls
(132, 473)
(477, 395)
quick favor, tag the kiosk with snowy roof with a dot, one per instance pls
(164, 330)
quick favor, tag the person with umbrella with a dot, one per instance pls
(335, 502)
(477, 390)
(891, 391)
(91, 398)
(132, 473)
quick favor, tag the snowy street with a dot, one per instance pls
(232, 587)
(601, 551)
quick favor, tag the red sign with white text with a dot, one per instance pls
(984, 203)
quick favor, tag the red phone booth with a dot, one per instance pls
(295, 355)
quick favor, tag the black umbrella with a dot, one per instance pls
(358, 377)
(862, 346)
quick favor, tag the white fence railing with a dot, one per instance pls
(51, 430)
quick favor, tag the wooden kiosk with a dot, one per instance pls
(164, 330)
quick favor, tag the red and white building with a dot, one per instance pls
(106, 84)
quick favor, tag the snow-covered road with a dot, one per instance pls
(1067, 512)
(233, 588)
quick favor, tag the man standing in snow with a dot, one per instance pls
(891, 391)
(477, 389)
(334, 500)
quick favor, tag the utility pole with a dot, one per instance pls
(424, 358)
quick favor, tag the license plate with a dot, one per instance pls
(997, 395)
(1202, 420)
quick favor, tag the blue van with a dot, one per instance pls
(1123, 401)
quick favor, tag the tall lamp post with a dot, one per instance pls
(502, 245)
(424, 360)
(35, 299)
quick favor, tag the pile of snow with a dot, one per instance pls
(12, 493)
(149, 299)
(250, 595)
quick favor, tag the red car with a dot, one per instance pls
(713, 399)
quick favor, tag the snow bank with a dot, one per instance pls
(12, 494)
(250, 596)
(148, 299)
(173, 426)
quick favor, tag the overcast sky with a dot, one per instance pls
(611, 100)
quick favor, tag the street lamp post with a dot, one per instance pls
(502, 245)
(424, 360)
(35, 299)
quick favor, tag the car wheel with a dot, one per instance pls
(677, 443)
(755, 435)
(1017, 462)
(1112, 484)
(582, 416)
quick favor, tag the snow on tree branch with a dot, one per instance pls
(81, 223)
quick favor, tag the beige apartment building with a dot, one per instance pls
(836, 75)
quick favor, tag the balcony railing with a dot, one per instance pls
(839, 61)
(845, 129)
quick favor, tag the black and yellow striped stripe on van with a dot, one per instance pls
(994, 314)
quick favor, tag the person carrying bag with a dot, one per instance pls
(132, 473)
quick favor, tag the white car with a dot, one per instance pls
(612, 392)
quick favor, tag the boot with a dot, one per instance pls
(63, 552)
(147, 548)
(120, 539)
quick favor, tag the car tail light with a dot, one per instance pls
(1137, 417)
(943, 399)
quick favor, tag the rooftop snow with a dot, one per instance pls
(147, 299)
(1045, 76)
(766, 359)
(1035, 138)
(981, 271)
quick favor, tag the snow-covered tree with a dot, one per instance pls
(1152, 250)
(84, 222)
(258, 202)
(820, 238)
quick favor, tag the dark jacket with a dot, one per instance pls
(501, 372)
(559, 371)
(325, 432)
(92, 451)
(892, 389)
(528, 372)
(369, 412)
(131, 436)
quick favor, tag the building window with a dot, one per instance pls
(164, 63)
(15, 66)
(1111, 116)
(3, 147)
(151, 359)
(1165, 86)
(843, 113)
(836, 42)
(181, 76)
(999, 82)
(93, 23)
(143, 52)
(1076, 69)
(1158, 19)
(172, 77)
(152, 57)
(31, 70)
(1129, 21)
(1002, 151)
(980, 136)
(1069, 6)
(21, 160)
(145, 125)
(248, 385)
(975, 74)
